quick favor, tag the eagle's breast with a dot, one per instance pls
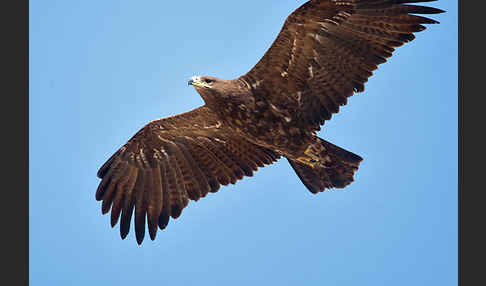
(266, 124)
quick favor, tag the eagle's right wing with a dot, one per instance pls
(170, 161)
(327, 50)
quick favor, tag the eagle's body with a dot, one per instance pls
(259, 120)
(325, 52)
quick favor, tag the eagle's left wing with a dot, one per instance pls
(169, 162)
(327, 50)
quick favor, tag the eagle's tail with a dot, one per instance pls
(335, 171)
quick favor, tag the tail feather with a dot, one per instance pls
(337, 171)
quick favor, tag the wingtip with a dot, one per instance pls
(439, 11)
(163, 221)
(113, 221)
(123, 234)
(430, 10)
(152, 233)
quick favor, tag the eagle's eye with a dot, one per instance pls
(208, 81)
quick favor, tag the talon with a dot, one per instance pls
(309, 153)
(306, 161)
(309, 159)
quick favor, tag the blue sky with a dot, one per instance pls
(101, 70)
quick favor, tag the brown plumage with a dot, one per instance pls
(324, 53)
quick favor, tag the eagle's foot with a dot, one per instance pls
(309, 158)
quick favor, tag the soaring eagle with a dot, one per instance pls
(325, 52)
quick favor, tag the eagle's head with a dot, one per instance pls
(212, 89)
(204, 82)
(218, 93)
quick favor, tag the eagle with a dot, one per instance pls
(324, 53)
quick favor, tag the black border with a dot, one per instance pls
(15, 147)
(471, 124)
